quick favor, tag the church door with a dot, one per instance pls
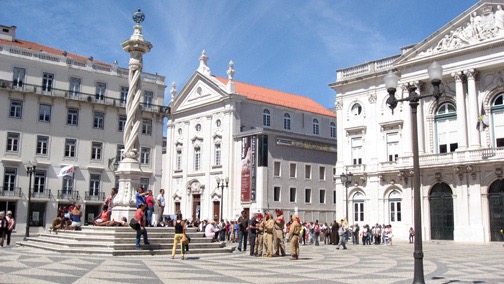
(441, 212)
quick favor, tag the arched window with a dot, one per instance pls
(446, 128)
(287, 121)
(395, 206)
(266, 118)
(333, 130)
(498, 119)
(316, 127)
(358, 207)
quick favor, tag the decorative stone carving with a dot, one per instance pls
(372, 98)
(482, 25)
(339, 104)
(438, 176)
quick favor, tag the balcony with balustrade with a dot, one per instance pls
(10, 193)
(98, 197)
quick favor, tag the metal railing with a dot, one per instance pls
(78, 96)
(95, 197)
(45, 194)
(10, 191)
(69, 195)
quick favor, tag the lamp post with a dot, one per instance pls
(222, 183)
(435, 74)
(30, 169)
(346, 180)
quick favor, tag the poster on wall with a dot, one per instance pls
(248, 171)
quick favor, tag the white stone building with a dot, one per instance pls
(462, 184)
(59, 109)
(277, 150)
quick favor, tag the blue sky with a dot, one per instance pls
(290, 45)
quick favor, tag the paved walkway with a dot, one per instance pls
(444, 262)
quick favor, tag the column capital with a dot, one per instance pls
(457, 75)
(471, 74)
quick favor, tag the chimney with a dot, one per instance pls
(8, 33)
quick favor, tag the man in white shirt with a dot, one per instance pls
(161, 203)
(210, 230)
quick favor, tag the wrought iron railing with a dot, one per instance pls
(10, 191)
(95, 197)
(45, 194)
(69, 195)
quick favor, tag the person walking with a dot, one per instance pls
(295, 227)
(316, 232)
(258, 249)
(10, 226)
(160, 200)
(180, 228)
(3, 227)
(356, 231)
(411, 235)
(252, 233)
(342, 239)
(140, 218)
(243, 234)
(278, 235)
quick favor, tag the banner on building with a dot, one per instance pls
(248, 168)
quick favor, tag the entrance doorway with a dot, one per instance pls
(216, 211)
(441, 212)
(496, 207)
(196, 212)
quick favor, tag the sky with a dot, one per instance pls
(294, 46)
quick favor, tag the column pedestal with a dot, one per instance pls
(129, 178)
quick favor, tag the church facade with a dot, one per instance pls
(266, 149)
(460, 136)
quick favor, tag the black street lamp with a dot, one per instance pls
(30, 169)
(346, 180)
(222, 183)
(435, 74)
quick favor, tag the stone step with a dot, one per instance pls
(121, 241)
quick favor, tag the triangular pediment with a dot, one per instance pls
(199, 90)
(478, 27)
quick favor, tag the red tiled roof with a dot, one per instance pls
(50, 50)
(274, 97)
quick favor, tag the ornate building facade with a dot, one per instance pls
(61, 109)
(460, 137)
(268, 149)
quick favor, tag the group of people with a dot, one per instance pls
(7, 223)
(68, 218)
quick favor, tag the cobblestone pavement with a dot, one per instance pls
(444, 262)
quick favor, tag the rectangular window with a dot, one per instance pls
(392, 146)
(75, 84)
(148, 99)
(359, 211)
(42, 145)
(96, 150)
(39, 183)
(292, 170)
(322, 173)
(100, 91)
(276, 168)
(395, 211)
(307, 195)
(47, 82)
(144, 182)
(98, 120)
(16, 109)
(122, 123)
(18, 77)
(73, 116)
(45, 113)
(357, 151)
(334, 197)
(322, 196)
(276, 193)
(292, 194)
(70, 146)
(147, 127)
(124, 95)
(119, 152)
(197, 159)
(218, 154)
(12, 142)
(94, 184)
(9, 183)
(307, 172)
(67, 186)
(145, 156)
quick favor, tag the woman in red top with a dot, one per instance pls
(150, 207)
(101, 219)
(139, 217)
